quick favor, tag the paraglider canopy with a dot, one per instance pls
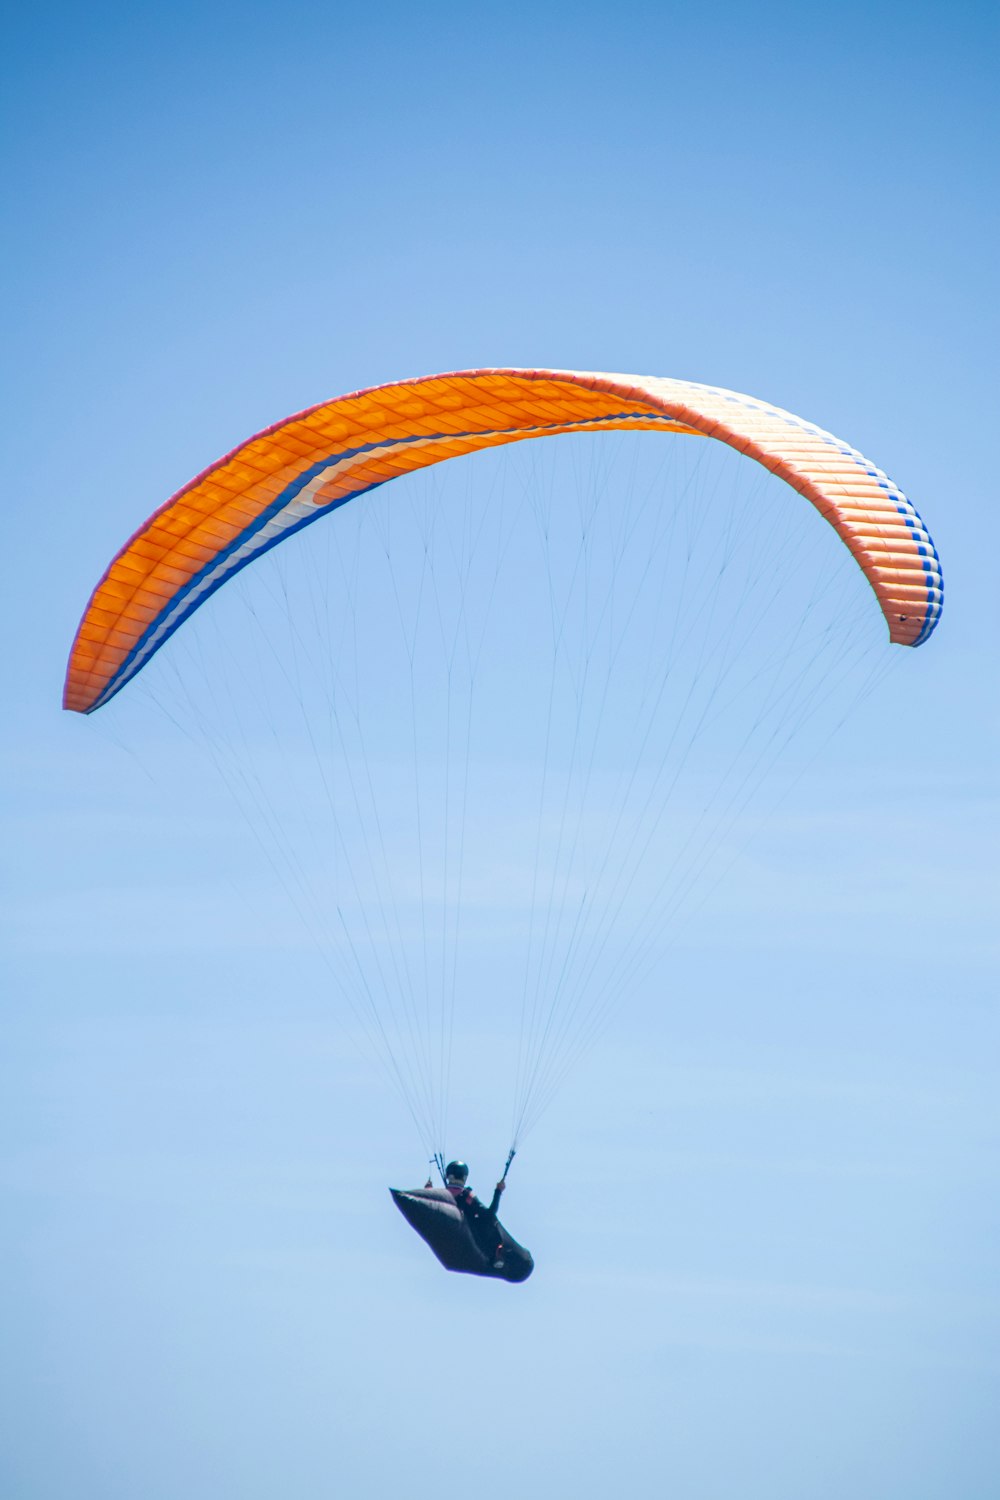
(293, 473)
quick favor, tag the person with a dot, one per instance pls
(482, 1220)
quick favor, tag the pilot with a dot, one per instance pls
(482, 1221)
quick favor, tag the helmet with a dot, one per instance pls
(457, 1171)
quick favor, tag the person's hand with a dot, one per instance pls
(501, 1184)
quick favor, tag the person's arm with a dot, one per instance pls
(495, 1200)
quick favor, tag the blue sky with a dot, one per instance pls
(765, 1223)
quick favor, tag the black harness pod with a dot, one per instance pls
(442, 1225)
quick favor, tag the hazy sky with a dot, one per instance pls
(765, 1214)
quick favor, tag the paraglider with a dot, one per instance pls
(464, 1233)
(598, 882)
